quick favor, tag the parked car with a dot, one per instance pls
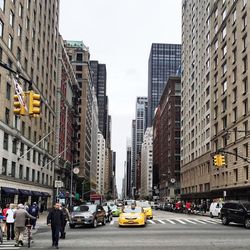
(108, 212)
(215, 209)
(87, 214)
(236, 211)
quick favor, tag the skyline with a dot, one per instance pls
(137, 25)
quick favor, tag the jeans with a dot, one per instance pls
(55, 235)
(10, 231)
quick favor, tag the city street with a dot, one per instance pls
(165, 231)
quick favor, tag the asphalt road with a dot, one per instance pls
(166, 231)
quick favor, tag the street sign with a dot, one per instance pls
(58, 184)
(76, 170)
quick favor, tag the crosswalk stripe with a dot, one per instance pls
(152, 222)
(182, 222)
(209, 221)
(192, 222)
(202, 222)
(162, 222)
(170, 221)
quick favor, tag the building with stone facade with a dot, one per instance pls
(29, 44)
(79, 56)
(147, 164)
(101, 164)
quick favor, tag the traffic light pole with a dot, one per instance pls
(231, 153)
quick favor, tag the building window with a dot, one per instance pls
(234, 36)
(13, 169)
(27, 23)
(224, 32)
(224, 122)
(235, 114)
(8, 91)
(11, 18)
(245, 107)
(34, 156)
(19, 31)
(234, 94)
(21, 149)
(10, 42)
(21, 172)
(224, 50)
(244, 64)
(1, 28)
(4, 166)
(14, 146)
(235, 151)
(28, 153)
(224, 14)
(244, 43)
(246, 149)
(20, 10)
(224, 104)
(235, 175)
(7, 115)
(38, 176)
(234, 55)
(23, 128)
(224, 87)
(245, 84)
(234, 16)
(2, 4)
(244, 22)
(246, 171)
(33, 175)
(245, 125)
(5, 141)
(27, 173)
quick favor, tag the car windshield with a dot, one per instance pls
(85, 208)
(247, 206)
(132, 210)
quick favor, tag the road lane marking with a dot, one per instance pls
(170, 221)
(152, 222)
(182, 222)
(209, 221)
(162, 222)
(202, 222)
(192, 222)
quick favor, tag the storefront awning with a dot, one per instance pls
(25, 192)
(9, 190)
(37, 193)
(45, 194)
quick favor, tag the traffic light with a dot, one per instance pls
(216, 160)
(34, 103)
(19, 109)
(223, 161)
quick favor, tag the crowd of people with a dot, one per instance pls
(16, 218)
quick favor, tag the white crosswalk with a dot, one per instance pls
(8, 245)
(176, 221)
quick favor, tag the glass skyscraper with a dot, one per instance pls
(164, 60)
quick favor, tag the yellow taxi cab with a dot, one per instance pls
(146, 207)
(132, 216)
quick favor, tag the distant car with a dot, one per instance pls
(132, 216)
(116, 211)
(215, 209)
(108, 212)
(237, 212)
(89, 214)
(129, 202)
(146, 207)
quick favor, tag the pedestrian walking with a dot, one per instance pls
(34, 211)
(55, 221)
(66, 217)
(4, 227)
(20, 216)
(10, 222)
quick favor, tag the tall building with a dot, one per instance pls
(79, 56)
(164, 60)
(140, 124)
(101, 164)
(195, 99)
(68, 94)
(99, 82)
(128, 189)
(133, 160)
(147, 164)
(169, 117)
(28, 44)
(229, 87)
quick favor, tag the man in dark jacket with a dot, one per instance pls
(55, 220)
(34, 211)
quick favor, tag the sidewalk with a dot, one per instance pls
(41, 222)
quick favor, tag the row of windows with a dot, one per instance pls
(25, 173)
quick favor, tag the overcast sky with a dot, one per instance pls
(119, 33)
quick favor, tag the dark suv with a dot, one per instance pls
(236, 211)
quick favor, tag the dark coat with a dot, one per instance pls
(55, 218)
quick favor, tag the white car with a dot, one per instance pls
(215, 208)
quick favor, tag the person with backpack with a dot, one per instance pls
(34, 211)
(66, 217)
